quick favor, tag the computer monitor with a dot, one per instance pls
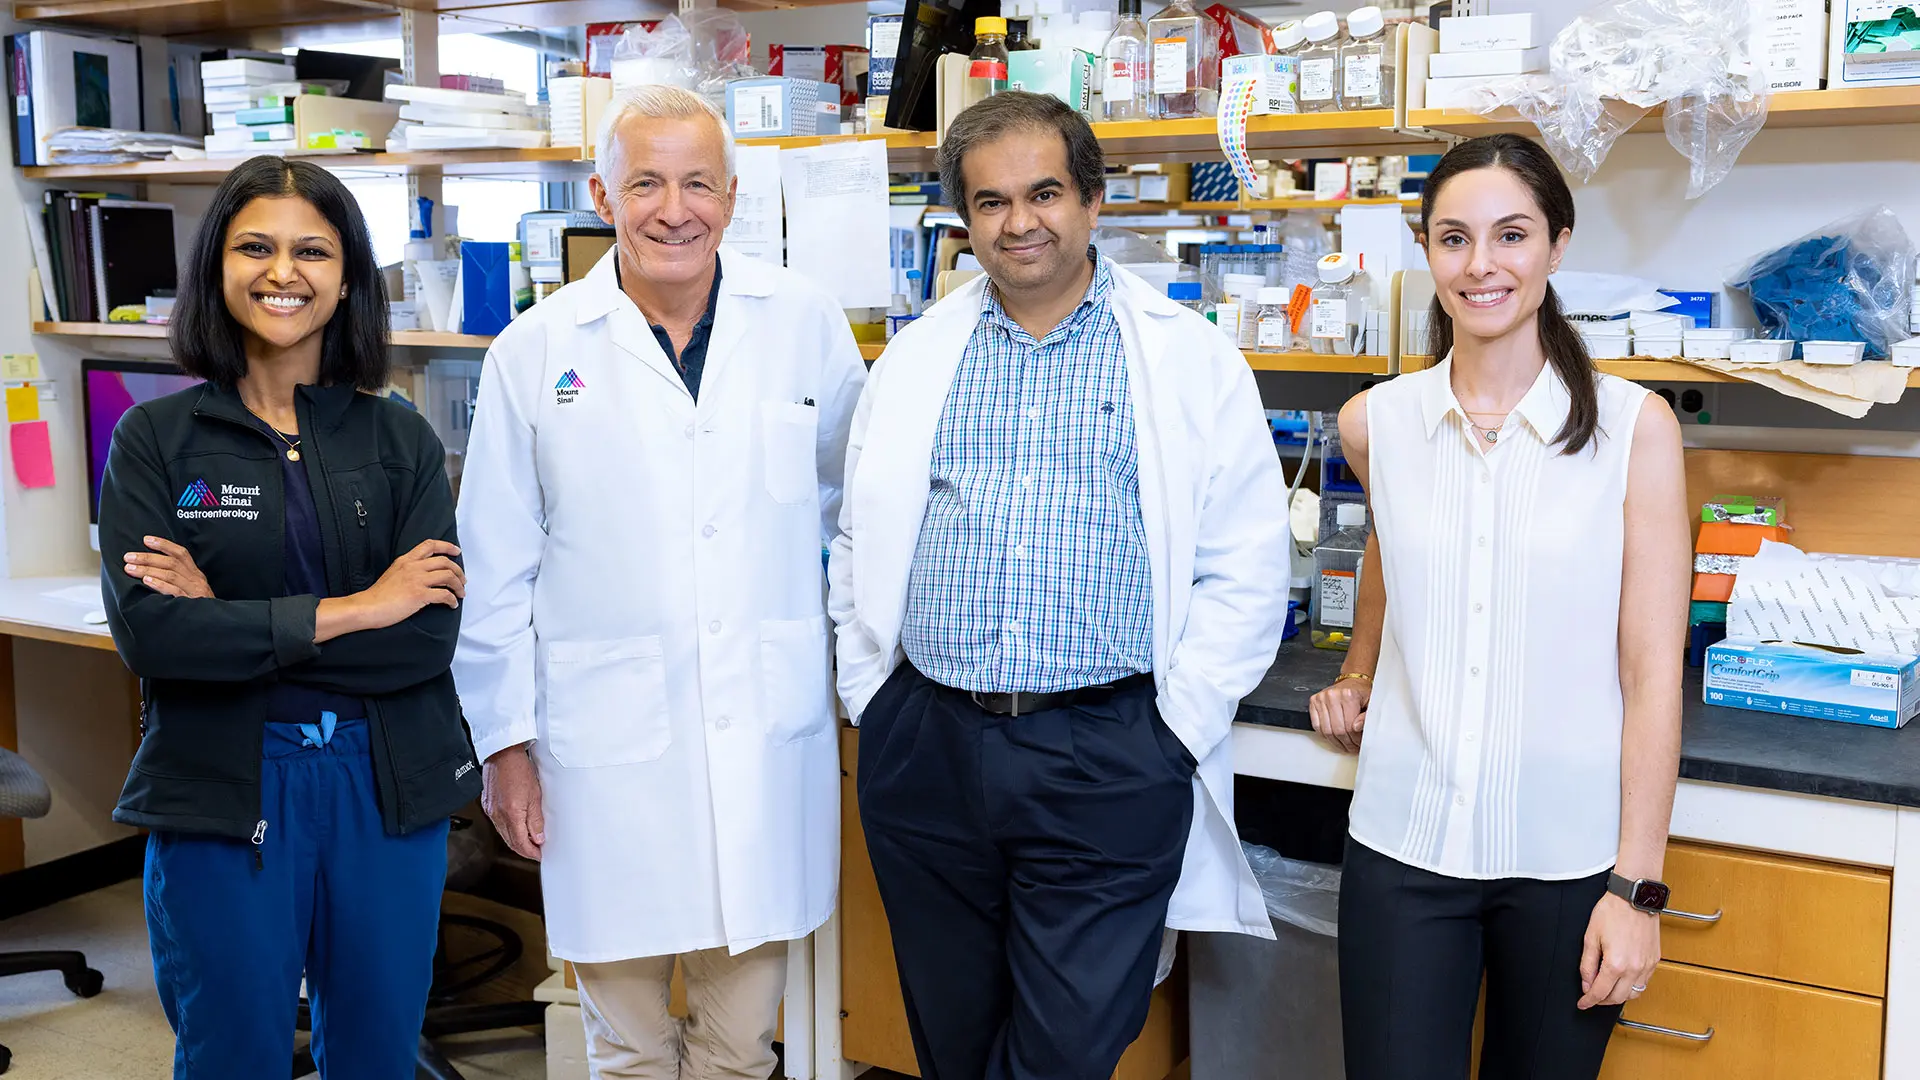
(108, 389)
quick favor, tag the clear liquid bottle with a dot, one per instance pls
(1320, 63)
(1185, 293)
(987, 64)
(1288, 40)
(1366, 64)
(1275, 332)
(1336, 573)
(1126, 91)
(1185, 63)
(1339, 305)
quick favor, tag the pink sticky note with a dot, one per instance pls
(32, 454)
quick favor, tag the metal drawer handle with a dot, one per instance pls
(1691, 917)
(1670, 1032)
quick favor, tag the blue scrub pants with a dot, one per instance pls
(322, 890)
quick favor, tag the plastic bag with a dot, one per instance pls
(696, 50)
(1606, 295)
(1623, 58)
(1302, 894)
(1849, 281)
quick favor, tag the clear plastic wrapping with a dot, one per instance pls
(1849, 281)
(1625, 57)
(696, 50)
(1303, 894)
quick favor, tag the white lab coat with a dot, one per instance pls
(1213, 501)
(645, 602)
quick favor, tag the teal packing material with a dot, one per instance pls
(1801, 680)
(486, 295)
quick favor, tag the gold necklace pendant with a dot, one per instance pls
(292, 454)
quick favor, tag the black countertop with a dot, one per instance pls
(1727, 746)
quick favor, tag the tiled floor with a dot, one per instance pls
(121, 1034)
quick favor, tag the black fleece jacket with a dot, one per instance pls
(193, 467)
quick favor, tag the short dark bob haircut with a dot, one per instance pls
(206, 340)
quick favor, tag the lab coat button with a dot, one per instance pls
(689, 432)
(713, 627)
(708, 531)
(723, 723)
(1483, 541)
(1459, 800)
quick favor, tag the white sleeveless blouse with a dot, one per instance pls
(1492, 743)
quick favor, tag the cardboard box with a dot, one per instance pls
(1480, 33)
(841, 65)
(1702, 308)
(1161, 183)
(1857, 59)
(1066, 74)
(1802, 680)
(1279, 81)
(774, 106)
(1486, 63)
(1790, 42)
(883, 46)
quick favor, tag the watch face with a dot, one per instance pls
(1650, 895)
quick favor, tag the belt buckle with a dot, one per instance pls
(1014, 697)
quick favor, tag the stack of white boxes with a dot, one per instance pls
(433, 118)
(1790, 43)
(249, 106)
(1478, 48)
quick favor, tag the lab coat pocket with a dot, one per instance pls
(787, 434)
(796, 695)
(607, 702)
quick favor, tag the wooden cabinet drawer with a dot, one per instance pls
(1762, 1030)
(1782, 918)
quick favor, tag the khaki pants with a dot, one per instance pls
(733, 1004)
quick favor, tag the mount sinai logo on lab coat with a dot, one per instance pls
(568, 388)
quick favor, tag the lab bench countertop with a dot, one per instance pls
(1719, 745)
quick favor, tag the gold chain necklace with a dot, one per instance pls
(293, 445)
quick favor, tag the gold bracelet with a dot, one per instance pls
(1345, 675)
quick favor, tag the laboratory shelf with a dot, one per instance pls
(1341, 134)
(430, 339)
(1644, 369)
(553, 163)
(1868, 106)
(1320, 362)
(871, 350)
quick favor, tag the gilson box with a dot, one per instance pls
(1800, 680)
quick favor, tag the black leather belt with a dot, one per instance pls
(1021, 703)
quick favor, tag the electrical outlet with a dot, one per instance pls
(1693, 403)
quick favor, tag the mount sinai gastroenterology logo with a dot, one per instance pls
(199, 502)
(568, 388)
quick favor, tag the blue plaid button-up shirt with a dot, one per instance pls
(1031, 572)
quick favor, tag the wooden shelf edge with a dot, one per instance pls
(158, 332)
(1322, 363)
(1652, 369)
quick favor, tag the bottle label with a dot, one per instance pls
(1316, 80)
(1330, 319)
(1363, 76)
(1339, 593)
(1122, 76)
(995, 70)
(1275, 333)
(1170, 65)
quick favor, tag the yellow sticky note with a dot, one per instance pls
(19, 367)
(23, 404)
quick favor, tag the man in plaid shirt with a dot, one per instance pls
(1064, 561)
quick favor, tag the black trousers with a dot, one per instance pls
(1413, 947)
(1025, 864)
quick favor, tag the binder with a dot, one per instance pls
(26, 150)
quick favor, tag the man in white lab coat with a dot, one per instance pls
(654, 466)
(1063, 560)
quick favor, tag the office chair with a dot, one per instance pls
(24, 795)
(469, 854)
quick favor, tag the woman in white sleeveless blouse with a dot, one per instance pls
(1513, 686)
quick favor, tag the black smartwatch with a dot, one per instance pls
(1645, 894)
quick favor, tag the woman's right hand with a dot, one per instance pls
(425, 575)
(1340, 712)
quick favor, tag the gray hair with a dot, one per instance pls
(657, 103)
(1017, 110)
